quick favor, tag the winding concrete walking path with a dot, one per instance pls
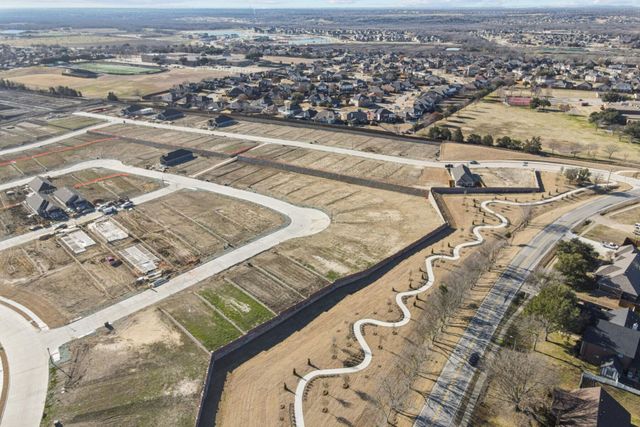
(400, 301)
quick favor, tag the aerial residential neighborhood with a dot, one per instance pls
(328, 214)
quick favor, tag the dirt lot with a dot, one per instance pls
(74, 150)
(99, 185)
(327, 336)
(491, 116)
(375, 144)
(250, 293)
(27, 131)
(145, 372)
(506, 177)
(181, 139)
(410, 176)
(123, 86)
(393, 220)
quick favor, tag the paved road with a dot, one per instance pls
(445, 399)
(28, 348)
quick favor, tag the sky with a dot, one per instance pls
(428, 4)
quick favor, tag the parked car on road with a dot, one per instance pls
(474, 358)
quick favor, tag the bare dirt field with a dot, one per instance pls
(233, 302)
(355, 141)
(27, 131)
(38, 161)
(99, 185)
(144, 372)
(410, 176)
(326, 341)
(123, 86)
(180, 139)
(188, 227)
(506, 177)
(560, 132)
(15, 217)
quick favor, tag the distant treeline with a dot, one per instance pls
(56, 91)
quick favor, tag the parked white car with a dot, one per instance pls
(610, 245)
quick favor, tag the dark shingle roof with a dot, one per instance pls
(624, 273)
(39, 184)
(616, 338)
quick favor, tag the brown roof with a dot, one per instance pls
(589, 407)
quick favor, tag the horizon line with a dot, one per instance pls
(337, 7)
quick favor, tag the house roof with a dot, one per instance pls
(36, 202)
(624, 273)
(462, 173)
(39, 184)
(587, 407)
(616, 338)
(622, 317)
(65, 195)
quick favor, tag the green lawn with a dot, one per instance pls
(238, 306)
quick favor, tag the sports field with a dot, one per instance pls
(116, 68)
(132, 85)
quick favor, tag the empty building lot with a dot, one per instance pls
(15, 104)
(144, 372)
(229, 304)
(405, 175)
(62, 279)
(222, 145)
(356, 141)
(74, 150)
(100, 185)
(506, 177)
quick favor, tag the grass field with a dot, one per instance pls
(122, 86)
(116, 68)
(628, 216)
(203, 323)
(559, 131)
(237, 305)
(601, 233)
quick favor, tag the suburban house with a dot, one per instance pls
(463, 177)
(176, 157)
(170, 114)
(621, 279)
(613, 343)
(221, 121)
(41, 185)
(72, 200)
(42, 205)
(588, 407)
(136, 110)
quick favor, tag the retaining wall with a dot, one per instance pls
(434, 235)
(335, 176)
